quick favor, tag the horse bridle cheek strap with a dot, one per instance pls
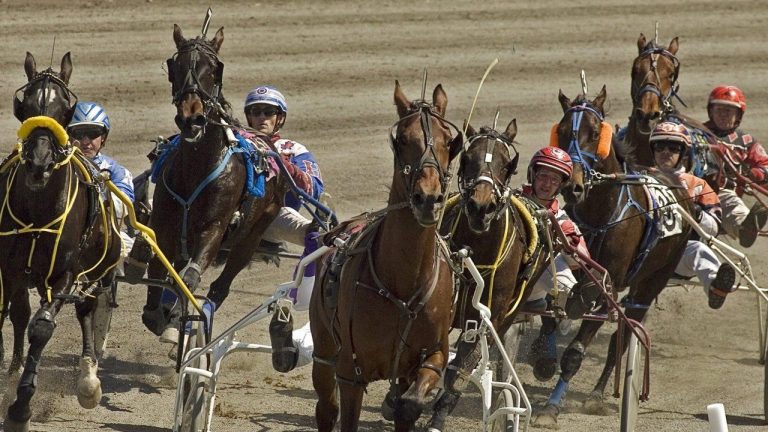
(578, 155)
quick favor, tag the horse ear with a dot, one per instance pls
(641, 43)
(599, 101)
(673, 46)
(511, 132)
(468, 127)
(29, 66)
(440, 100)
(401, 101)
(178, 38)
(565, 103)
(66, 68)
(217, 40)
(455, 146)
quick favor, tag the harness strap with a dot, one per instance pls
(186, 204)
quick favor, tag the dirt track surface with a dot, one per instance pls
(336, 64)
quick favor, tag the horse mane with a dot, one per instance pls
(625, 153)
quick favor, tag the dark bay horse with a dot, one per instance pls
(631, 234)
(56, 235)
(654, 74)
(202, 183)
(391, 310)
(488, 221)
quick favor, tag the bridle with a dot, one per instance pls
(501, 188)
(197, 48)
(428, 158)
(45, 97)
(651, 81)
(587, 160)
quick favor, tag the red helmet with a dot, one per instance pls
(670, 131)
(551, 157)
(728, 95)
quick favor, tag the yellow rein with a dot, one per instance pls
(60, 220)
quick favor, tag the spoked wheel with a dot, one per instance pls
(102, 320)
(504, 423)
(765, 386)
(633, 385)
(194, 409)
(512, 341)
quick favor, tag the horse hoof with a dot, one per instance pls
(547, 418)
(89, 385)
(545, 368)
(13, 426)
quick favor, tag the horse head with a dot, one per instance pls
(195, 73)
(654, 82)
(46, 93)
(485, 169)
(588, 139)
(43, 146)
(423, 148)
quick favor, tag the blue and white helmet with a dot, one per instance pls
(90, 113)
(266, 95)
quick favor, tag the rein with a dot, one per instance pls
(646, 85)
(429, 158)
(56, 225)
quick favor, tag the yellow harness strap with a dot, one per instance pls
(533, 240)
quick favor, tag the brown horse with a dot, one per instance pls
(492, 226)
(616, 217)
(654, 82)
(202, 184)
(390, 315)
(57, 235)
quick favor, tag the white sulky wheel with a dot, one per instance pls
(194, 409)
(633, 385)
(765, 386)
(503, 423)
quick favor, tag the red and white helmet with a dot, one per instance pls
(670, 131)
(728, 95)
(551, 157)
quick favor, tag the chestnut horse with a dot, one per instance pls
(392, 311)
(616, 217)
(654, 82)
(202, 184)
(491, 223)
(57, 235)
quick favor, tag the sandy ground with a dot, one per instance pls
(337, 63)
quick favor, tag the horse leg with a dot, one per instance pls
(570, 363)
(455, 382)
(239, 257)
(39, 332)
(412, 402)
(351, 401)
(20, 311)
(88, 384)
(327, 407)
(155, 313)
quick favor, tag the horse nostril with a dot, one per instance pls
(197, 120)
(578, 189)
(417, 199)
(491, 207)
(440, 199)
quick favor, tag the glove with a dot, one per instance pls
(697, 212)
(757, 174)
(289, 166)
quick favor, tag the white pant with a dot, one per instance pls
(700, 261)
(289, 225)
(545, 284)
(302, 340)
(734, 211)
